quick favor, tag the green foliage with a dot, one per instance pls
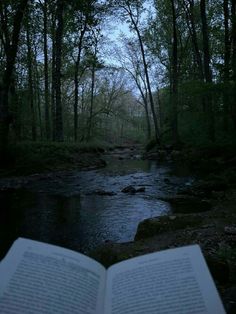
(192, 128)
(31, 157)
(150, 145)
(193, 116)
(227, 253)
(93, 146)
(115, 115)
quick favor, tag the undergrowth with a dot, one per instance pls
(31, 157)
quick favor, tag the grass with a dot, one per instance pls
(31, 157)
(227, 253)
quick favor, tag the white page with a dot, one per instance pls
(42, 278)
(175, 281)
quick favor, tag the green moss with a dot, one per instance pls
(154, 226)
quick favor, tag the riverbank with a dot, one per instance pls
(214, 231)
(82, 209)
(204, 213)
(27, 158)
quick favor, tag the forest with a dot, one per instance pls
(168, 79)
(118, 128)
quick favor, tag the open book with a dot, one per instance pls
(42, 278)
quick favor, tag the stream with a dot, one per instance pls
(83, 209)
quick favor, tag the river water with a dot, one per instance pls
(65, 208)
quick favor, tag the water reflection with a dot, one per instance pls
(66, 211)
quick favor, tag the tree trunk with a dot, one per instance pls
(46, 76)
(174, 92)
(145, 102)
(7, 79)
(76, 101)
(53, 79)
(90, 122)
(157, 133)
(30, 81)
(233, 12)
(149, 134)
(207, 73)
(152, 105)
(58, 46)
(76, 83)
(37, 93)
(226, 98)
(193, 33)
(4, 123)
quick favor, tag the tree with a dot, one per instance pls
(132, 10)
(207, 71)
(185, 49)
(10, 44)
(227, 54)
(59, 136)
(30, 76)
(82, 32)
(44, 6)
(85, 20)
(131, 62)
(169, 46)
(190, 20)
(233, 13)
(94, 65)
(174, 88)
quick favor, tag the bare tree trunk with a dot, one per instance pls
(157, 133)
(58, 46)
(193, 33)
(94, 65)
(152, 105)
(17, 119)
(76, 83)
(46, 76)
(11, 51)
(148, 124)
(37, 93)
(226, 98)
(30, 81)
(53, 80)
(207, 71)
(83, 129)
(90, 122)
(145, 102)
(149, 133)
(76, 101)
(233, 12)
(144, 95)
(160, 107)
(174, 92)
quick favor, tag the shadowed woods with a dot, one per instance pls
(151, 113)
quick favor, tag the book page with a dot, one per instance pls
(43, 278)
(175, 281)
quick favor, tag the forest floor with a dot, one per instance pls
(30, 158)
